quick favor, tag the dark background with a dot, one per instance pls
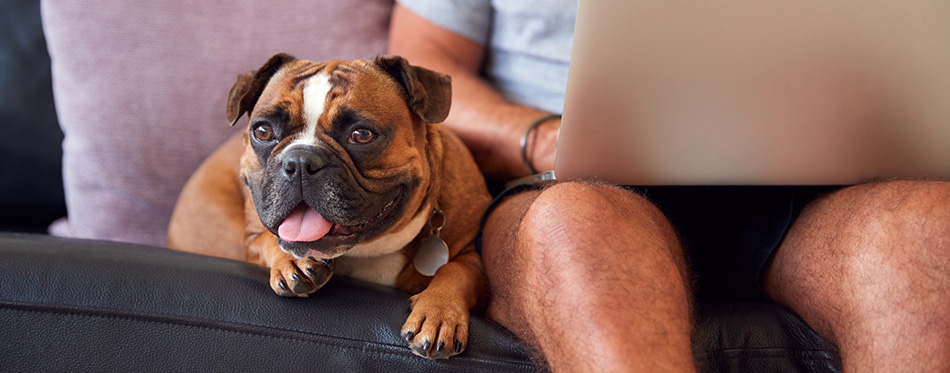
(31, 183)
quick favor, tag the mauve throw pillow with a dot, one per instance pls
(140, 89)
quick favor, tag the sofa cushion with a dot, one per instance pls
(140, 90)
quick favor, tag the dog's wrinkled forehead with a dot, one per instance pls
(310, 95)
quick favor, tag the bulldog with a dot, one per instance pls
(343, 169)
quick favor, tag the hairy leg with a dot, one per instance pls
(592, 276)
(869, 268)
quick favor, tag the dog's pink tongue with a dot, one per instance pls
(304, 224)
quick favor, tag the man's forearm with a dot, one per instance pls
(491, 126)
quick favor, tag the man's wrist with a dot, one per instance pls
(524, 140)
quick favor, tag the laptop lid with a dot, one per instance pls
(675, 92)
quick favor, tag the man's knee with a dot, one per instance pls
(871, 266)
(589, 224)
(591, 248)
(576, 214)
(869, 230)
(578, 209)
(867, 241)
(899, 215)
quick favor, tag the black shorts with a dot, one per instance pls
(728, 233)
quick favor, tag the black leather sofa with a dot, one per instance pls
(84, 305)
(78, 305)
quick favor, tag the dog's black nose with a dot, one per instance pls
(301, 163)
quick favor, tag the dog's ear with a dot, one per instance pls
(248, 88)
(429, 92)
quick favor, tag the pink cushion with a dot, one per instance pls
(140, 89)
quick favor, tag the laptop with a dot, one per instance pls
(748, 92)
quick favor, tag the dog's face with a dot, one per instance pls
(336, 151)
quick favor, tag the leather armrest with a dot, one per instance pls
(72, 305)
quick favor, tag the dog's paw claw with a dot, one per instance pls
(292, 277)
(421, 349)
(436, 330)
(407, 335)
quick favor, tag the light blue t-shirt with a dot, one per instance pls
(528, 43)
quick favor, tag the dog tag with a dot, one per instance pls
(432, 255)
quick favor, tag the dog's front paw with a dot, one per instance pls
(436, 328)
(292, 277)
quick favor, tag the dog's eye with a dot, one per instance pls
(264, 132)
(362, 136)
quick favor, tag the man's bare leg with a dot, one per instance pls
(592, 276)
(869, 268)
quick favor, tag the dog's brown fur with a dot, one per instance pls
(216, 215)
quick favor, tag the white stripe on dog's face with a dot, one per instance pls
(315, 93)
